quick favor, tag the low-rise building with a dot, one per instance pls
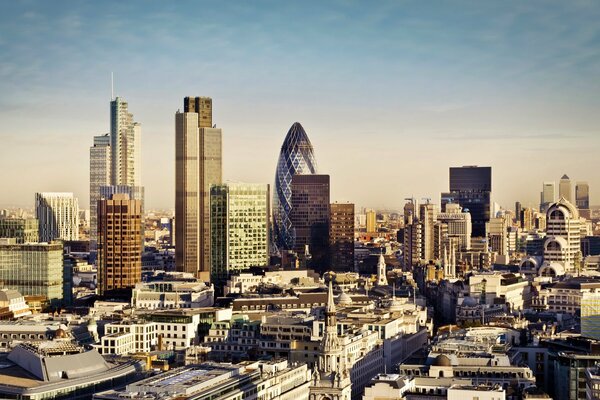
(59, 369)
(275, 380)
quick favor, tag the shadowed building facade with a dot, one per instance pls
(197, 167)
(471, 187)
(310, 217)
(341, 236)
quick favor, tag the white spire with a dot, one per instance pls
(445, 262)
(381, 271)
(330, 303)
(453, 262)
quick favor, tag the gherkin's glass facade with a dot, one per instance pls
(296, 158)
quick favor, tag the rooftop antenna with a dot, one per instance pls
(112, 86)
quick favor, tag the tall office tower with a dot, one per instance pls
(471, 187)
(547, 196)
(539, 221)
(459, 225)
(125, 145)
(239, 224)
(563, 235)
(527, 219)
(57, 215)
(100, 173)
(133, 192)
(565, 190)
(34, 269)
(413, 235)
(371, 221)
(341, 236)
(497, 233)
(23, 230)
(119, 243)
(296, 158)
(440, 240)
(428, 218)
(309, 217)
(197, 167)
(582, 199)
(518, 208)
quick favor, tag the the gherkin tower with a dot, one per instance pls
(296, 158)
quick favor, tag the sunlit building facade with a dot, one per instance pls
(239, 228)
(119, 243)
(197, 168)
(125, 145)
(57, 215)
(34, 269)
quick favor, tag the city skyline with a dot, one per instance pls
(538, 72)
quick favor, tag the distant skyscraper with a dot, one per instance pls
(371, 221)
(427, 214)
(582, 198)
(412, 247)
(565, 189)
(58, 216)
(296, 158)
(100, 175)
(309, 217)
(548, 195)
(125, 145)
(527, 219)
(341, 236)
(197, 167)
(119, 243)
(518, 208)
(239, 228)
(471, 187)
(497, 231)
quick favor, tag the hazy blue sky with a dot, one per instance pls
(390, 93)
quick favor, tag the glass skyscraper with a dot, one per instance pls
(239, 228)
(296, 158)
(471, 187)
(34, 269)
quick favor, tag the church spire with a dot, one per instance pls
(330, 302)
(381, 271)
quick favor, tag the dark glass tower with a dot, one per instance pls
(296, 158)
(471, 187)
(310, 217)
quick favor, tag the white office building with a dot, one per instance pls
(58, 216)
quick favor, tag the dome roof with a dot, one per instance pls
(469, 302)
(442, 361)
(60, 333)
(344, 299)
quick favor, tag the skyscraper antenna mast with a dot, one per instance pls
(112, 87)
